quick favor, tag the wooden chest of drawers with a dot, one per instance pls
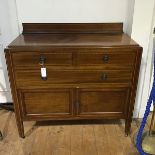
(92, 72)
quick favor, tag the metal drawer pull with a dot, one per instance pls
(42, 60)
(104, 77)
(105, 58)
(43, 68)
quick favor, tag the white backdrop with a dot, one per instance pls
(8, 31)
(75, 11)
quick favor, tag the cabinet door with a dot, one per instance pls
(108, 102)
(41, 104)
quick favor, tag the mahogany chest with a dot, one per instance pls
(73, 71)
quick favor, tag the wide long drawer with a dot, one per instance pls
(27, 78)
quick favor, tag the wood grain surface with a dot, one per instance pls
(55, 138)
(78, 58)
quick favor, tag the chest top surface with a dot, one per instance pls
(72, 35)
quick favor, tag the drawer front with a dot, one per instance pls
(99, 58)
(103, 102)
(30, 78)
(107, 59)
(32, 59)
(46, 102)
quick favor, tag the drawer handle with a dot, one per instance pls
(42, 60)
(43, 68)
(105, 58)
(104, 77)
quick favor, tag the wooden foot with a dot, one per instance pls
(127, 127)
(126, 134)
(21, 130)
(20, 127)
(1, 136)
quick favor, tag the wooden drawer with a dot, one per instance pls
(46, 102)
(32, 59)
(32, 78)
(107, 58)
(103, 101)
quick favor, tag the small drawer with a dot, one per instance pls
(106, 58)
(32, 78)
(33, 59)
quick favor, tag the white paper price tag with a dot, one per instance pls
(43, 72)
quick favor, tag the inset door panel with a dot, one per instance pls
(47, 102)
(111, 101)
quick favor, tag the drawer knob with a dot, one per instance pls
(104, 77)
(42, 60)
(105, 58)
